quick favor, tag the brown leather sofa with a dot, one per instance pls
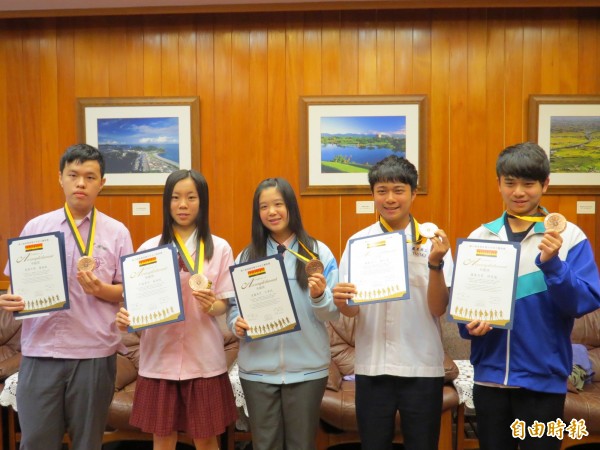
(586, 404)
(338, 415)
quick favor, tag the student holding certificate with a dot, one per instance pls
(65, 350)
(521, 374)
(182, 382)
(284, 376)
(399, 355)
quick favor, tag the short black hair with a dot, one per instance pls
(394, 168)
(526, 160)
(82, 153)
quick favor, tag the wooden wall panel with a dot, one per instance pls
(7, 218)
(477, 67)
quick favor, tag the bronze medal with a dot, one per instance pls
(199, 281)
(555, 222)
(314, 266)
(86, 263)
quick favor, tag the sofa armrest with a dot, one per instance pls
(126, 372)
(10, 365)
(450, 369)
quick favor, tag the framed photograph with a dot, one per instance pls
(143, 139)
(567, 127)
(341, 137)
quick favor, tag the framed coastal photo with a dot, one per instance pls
(341, 137)
(567, 127)
(143, 139)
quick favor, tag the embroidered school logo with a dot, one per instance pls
(34, 247)
(256, 272)
(485, 252)
(147, 261)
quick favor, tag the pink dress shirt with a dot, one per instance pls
(192, 348)
(87, 329)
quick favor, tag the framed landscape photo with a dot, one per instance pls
(567, 127)
(341, 137)
(142, 139)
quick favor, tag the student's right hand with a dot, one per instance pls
(478, 328)
(241, 326)
(11, 302)
(342, 292)
(122, 319)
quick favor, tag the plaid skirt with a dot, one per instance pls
(200, 407)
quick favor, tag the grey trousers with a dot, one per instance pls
(284, 415)
(59, 395)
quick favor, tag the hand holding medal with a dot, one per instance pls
(440, 244)
(555, 222)
(551, 242)
(312, 267)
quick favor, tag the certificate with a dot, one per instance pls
(264, 298)
(378, 267)
(151, 287)
(38, 272)
(484, 282)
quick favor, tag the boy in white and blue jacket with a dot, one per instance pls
(521, 374)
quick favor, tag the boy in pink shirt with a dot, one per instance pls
(66, 377)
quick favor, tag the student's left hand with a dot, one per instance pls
(89, 282)
(439, 247)
(550, 245)
(316, 285)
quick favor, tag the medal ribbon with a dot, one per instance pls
(530, 218)
(414, 228)
(298, 255)
(88, 248)
(193, 266)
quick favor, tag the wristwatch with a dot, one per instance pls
(439, 267)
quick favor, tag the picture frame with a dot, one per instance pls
(565, 126)
(341, 136)
(143, 139)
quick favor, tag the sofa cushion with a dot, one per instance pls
(584, 405)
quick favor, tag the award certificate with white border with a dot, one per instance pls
(38, 273)
(378, 267)
(484, 282)
(264, 297)
(152, 288)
